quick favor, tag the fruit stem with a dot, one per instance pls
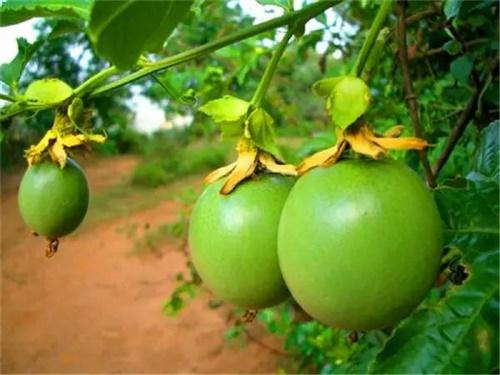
(270, 69)
(7, 97)
(100, 77)
(378, 22)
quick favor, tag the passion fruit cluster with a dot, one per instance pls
(357, 244)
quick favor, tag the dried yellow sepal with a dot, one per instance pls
(57, 152)
(394, 132)
(360, 140)
(61, 136)
(250, 158)
(363, 140)
(219, 173)
(405, 143)
(270, 163)
(245, 166)
(325, 157)
(34, 153)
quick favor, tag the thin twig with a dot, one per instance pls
(7, 98)
(411, 98)
(462, 122)
(457, 132)
(262, 344)
(435, 51)
(431, 10)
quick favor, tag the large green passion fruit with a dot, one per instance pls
(360, 243)
(233, 240)
(53, 201)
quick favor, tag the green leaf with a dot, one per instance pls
(76, 111)
(64, 27)
(260, 125)
(15, 11)
(486, 166)
(229, 112)
(48, 91)
(461, 68)
(460, 334)
(226, 109)
(452, 8)
(324, 87)
(11, 72)
(285, 4)
(188, 97)
(349, 100)
(184, 293)
(452, 47)
(123, 30)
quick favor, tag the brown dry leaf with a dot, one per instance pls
(325, 157)
(219, 173)
(245, 166)
(269, 163)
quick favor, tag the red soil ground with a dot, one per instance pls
(94, 307)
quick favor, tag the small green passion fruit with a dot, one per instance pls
(360, 243)
(53, 201)
(233, 240)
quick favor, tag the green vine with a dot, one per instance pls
(305, 13)
(378, 23)
(270, 69)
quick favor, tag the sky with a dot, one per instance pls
(149, 115)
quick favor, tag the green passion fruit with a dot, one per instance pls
(233, 240)
(360, 243)
(53, 201)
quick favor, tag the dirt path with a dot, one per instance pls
(95, 308)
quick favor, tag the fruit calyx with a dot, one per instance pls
(250, 160)
(362, 139)
(66, 132)
(51, 248)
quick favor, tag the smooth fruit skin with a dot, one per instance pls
(233, 241)
(53, 201)
(360, 243)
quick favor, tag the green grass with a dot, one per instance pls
(178, 229)
(150, 174)
(150, 242)
(125, 198)
(161, 166)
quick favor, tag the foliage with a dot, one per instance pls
(15, 11)
(123, 31)
(464, 324)
(150, 174)
(53, 57)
